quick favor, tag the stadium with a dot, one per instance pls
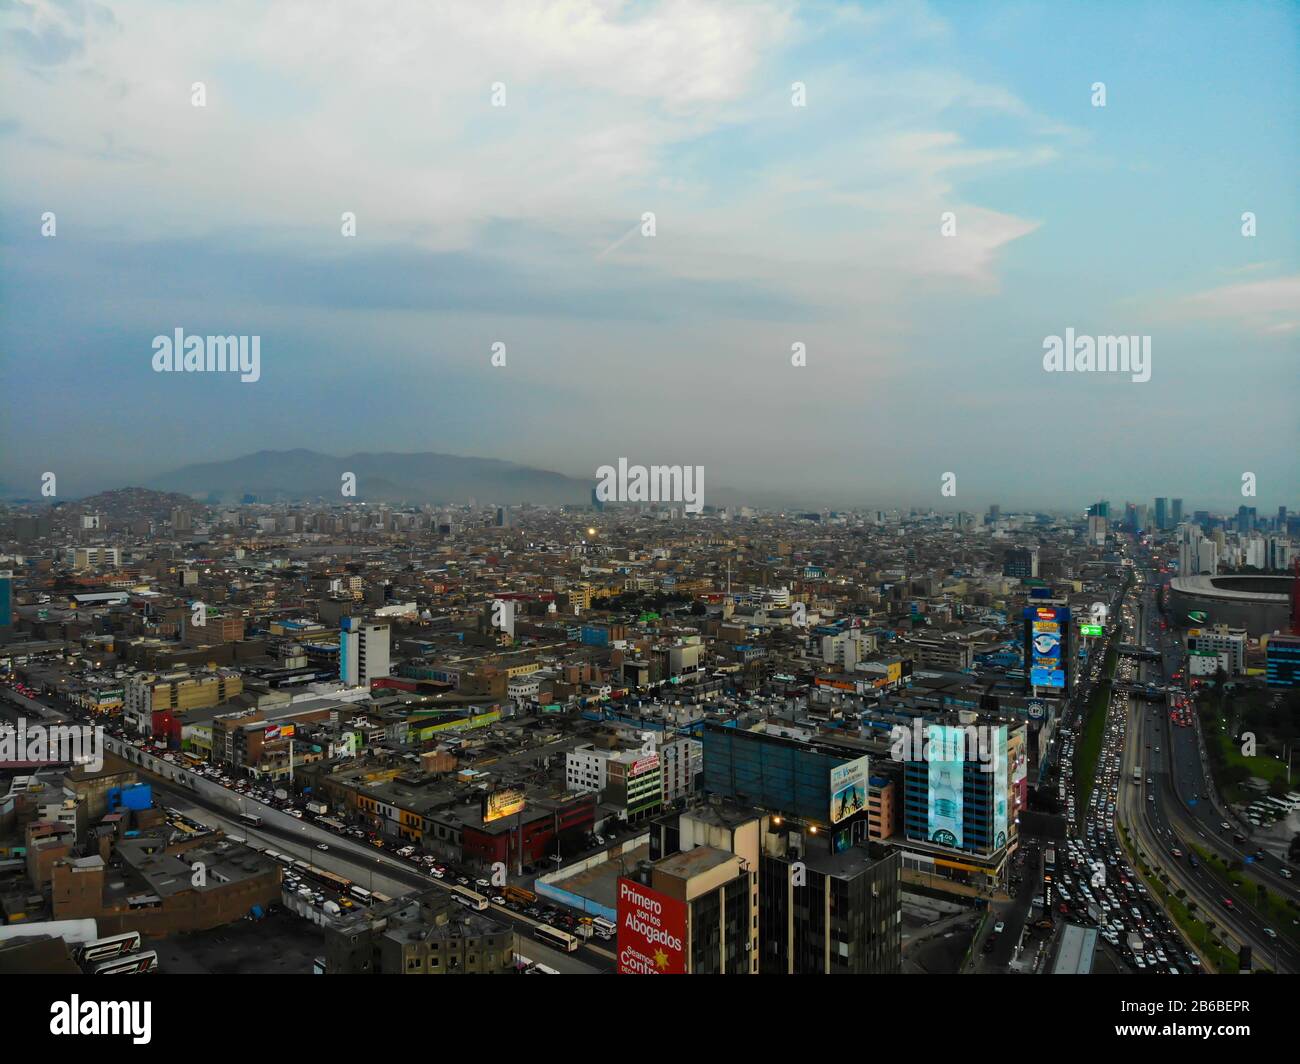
(1259, 604)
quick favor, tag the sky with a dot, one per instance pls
(500, 160)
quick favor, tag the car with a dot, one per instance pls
(1285, 873)
(322, 846)
(483, 882)
(999, 927)
(1224, 826)
(1176, 852)
(1270, 932)
(497, 899)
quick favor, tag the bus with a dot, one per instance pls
(343, 886)
(128, 964)
(558, 939)
(284, 858)
(524, 897)
(540, 969)
(604, 928)
(1049, 859)
(102, 949)
(252, 820)
(1137, 773)
(467, 897)
(360, 893)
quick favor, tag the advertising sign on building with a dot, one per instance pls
(503, 803)
(946, 765)
(651, 931)
(848, 789)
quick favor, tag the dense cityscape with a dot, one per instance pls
(648, 487)
(616, 737)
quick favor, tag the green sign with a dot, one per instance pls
(1091, 629)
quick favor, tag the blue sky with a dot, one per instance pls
(775, 224)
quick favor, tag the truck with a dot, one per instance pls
(281, 794)
(1137, 773)
(1135, 943)
(317, 808)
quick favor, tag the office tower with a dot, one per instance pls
(6, 599)
(1162, 513)
(1021, 562)
(1176, 516)
(995, 514)
(1277, 553)
(363, 651)
(503, 517)
(1282, 665)
(182, 521)
(1281, 518)
(839, 915)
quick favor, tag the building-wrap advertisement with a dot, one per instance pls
(651, 931)
(945, 746)
(999, 787)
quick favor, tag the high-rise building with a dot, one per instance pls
(1162, 513)
(363, 651)
(1282, 667)
(1176, 514)
(1021, 562)
(6, 598)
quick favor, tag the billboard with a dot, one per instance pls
(504, 803)
(999, 787)
(1046, 645)
(945, 746)
(1094, 630)
(645, 764)
(848, 789)
(651, 931)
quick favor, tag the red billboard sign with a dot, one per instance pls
(651, 931)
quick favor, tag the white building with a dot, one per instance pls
(363, 651)
(1221, 639)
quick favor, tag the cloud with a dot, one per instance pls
(1266, 308)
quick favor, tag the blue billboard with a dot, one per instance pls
(1047, 631)
(945, 754)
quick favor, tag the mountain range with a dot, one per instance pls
(427, 477)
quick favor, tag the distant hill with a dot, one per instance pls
(124, 504)
(272, 476)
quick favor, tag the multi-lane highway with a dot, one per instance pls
(1171, 808)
